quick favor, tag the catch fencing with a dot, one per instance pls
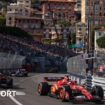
(8, 61)
(77, 65)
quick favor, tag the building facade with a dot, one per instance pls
(81, 31)
(52, 12)
(58, 10)
(55, 12)
(78, 6)
(21, 15)
(81, 36)
(94, 11)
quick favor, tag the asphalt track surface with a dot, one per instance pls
(28, 85)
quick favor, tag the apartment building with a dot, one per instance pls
(94, 11)
(54, 12)
(81, 31)
(21, 15)
(78, 6)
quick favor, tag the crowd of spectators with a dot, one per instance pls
(12, 46)
(25, 46)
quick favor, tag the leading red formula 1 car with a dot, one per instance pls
(70, 90)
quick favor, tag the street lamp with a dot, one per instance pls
(90, 49)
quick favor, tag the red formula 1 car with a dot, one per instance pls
(71, 91)
(6, 81)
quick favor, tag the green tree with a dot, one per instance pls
(14, 31)
(64, 23)
(101, 42)
(2, 21)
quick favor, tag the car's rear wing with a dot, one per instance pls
(53, 79)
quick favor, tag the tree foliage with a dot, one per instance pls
(14, 31)
(2, 21)
(101, 40)
(65, 23)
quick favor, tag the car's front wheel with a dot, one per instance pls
(98, 91)
(10, 83)
(65, 93)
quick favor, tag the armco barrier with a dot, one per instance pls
(89, 83)
(77, 77)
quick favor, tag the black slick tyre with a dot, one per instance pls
(43, 88)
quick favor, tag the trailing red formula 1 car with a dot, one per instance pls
(19, 73)
(6, 81)
(70, 90)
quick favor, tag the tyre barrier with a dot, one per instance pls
(76, 77)
(89, 83)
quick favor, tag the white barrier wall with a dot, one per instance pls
(92, 81)
(76, 65)
(99, 81)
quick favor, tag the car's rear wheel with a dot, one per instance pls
(43, 88)
(10, 83)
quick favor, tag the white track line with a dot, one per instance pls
(20, 93)
(15, 100)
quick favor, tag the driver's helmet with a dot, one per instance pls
(66, 77)
(0, 74)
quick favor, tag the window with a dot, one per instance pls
(15, 9)
(99, 33)
(100, 14)
(27, 6)
(96, 22)
(78, 5)
(80, 29)
(10, 18)
(10, 9)
(20, 1)
(20, 10)
(9, 22)
(27, 1)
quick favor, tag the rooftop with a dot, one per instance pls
(101, 29)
